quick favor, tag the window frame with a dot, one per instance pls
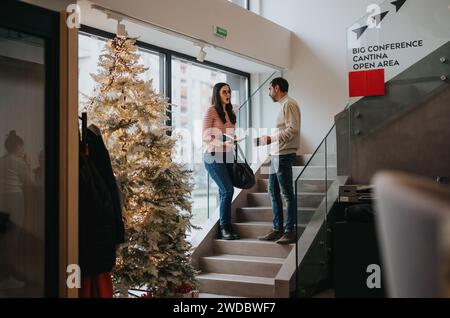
(166, 71)
(247, 5)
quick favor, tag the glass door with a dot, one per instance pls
(28, 151)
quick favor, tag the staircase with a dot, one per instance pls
(249, 267)
(404, 130)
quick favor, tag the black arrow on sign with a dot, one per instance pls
(398, 4)
(380, 17)
(360, 31)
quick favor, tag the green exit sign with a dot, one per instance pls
(220, 32)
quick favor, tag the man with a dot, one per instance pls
(285, 144)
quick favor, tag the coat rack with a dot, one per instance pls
(83, 145)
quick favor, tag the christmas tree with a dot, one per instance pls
(156, 190)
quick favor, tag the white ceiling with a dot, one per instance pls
(149, 34)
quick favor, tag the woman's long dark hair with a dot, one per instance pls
(217, 102)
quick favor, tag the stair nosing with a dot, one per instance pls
(300, 193)
(305, 179)
(263, 223)
(238, 278)
(247, 240)
(309, 166)
(270, 208)
(246, 258)
(209, 296)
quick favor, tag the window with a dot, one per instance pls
(190, 95)
(91, 47)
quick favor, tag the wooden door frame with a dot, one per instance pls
(68, 156)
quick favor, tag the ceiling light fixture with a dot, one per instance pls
(201, 54)
(121, 28)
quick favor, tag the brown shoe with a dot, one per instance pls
(271, 236)
(288, 238)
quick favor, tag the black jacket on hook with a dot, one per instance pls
(99, 156)
(101, 226)
(97, 228)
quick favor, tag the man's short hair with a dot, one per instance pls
(282, 84)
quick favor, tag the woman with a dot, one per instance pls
(15, 173)
(218, 130)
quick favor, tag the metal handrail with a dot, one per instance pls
(257, 90)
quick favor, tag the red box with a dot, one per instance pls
(366, 83)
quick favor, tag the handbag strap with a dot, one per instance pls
(237, 149)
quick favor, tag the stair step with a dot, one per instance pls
(305, 199)
(304, 185)
(204, 295)
(319, 159)
(252, 247)
(255, 229)
(265, 214)
(236, 285)
(242, 265)
(252, 229)
(315, 172)
(311, 172)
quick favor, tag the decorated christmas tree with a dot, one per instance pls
(156, 190)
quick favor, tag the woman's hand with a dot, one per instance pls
(265, 140)
(228, 145)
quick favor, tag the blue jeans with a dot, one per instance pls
(281, 182)
(219, 173)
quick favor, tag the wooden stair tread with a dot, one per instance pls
(206, 295)
(237, 278)
(261, 223)
(259, 208)
(246, 258)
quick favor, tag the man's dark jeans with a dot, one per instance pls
(281, 182)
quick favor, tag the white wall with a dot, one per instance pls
(247, 32)
(319, 72)
(148, 34)
(318, 76)
(418, 20)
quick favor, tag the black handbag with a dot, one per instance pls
(241, 174)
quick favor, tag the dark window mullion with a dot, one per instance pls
(168, 84)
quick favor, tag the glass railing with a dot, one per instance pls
(315, 195)
(247, 128)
